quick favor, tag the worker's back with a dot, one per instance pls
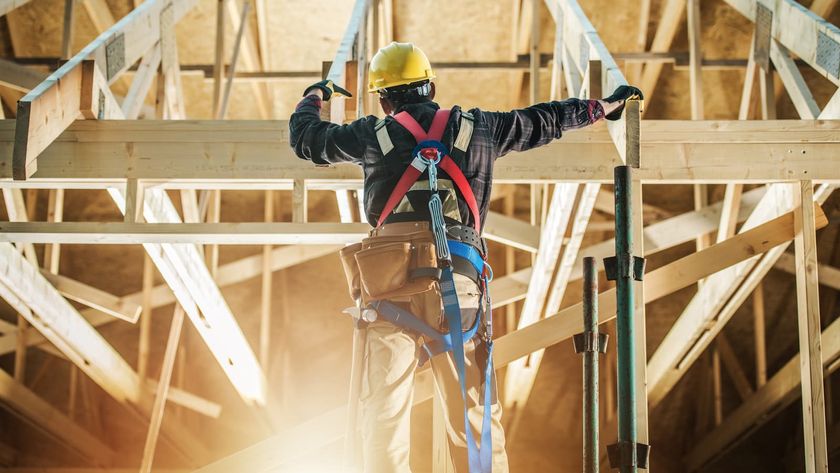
(494, 134)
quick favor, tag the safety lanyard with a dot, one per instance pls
(480, 459)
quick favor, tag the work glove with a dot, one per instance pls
(623, 93)
(328, 88)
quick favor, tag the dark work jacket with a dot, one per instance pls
(495, 134)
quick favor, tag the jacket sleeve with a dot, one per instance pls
(538, 125)
(324, 142)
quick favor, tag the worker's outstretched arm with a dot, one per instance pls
(320, 141)
(537, 125)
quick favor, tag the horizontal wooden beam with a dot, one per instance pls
(512, 231)
(176, 153)
(659, 283)
(277, 233)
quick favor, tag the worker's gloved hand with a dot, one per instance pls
(328, 88)
(621, 94)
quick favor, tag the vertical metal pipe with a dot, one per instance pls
(590, 367)
(624, 323)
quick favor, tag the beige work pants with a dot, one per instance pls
(388, 392)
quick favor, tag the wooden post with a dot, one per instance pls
(67, 33)
(219, 64)
(534, 94)
(716, 386)
(134, 197)
(299, 201)
(758, 328)
(214, 208)
(145, 318)
(237, 46)
(810, 350)
(266, 292)
(162, 389)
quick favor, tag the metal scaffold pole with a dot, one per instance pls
(590, 343)
(628, 455)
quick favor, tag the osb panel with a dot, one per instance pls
(474, 30)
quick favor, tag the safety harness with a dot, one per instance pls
(429, 155)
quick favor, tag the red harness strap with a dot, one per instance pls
(413, 173)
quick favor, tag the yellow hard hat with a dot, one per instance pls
(398, 64)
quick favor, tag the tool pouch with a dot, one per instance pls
(391, 266)
(351, 269)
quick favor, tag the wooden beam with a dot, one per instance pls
(146, 318)
(99, 13)
(8, 5)
(162, 389)
(53, 422)
(669, 22)
(779, 392)
(759, 336)
(266, 291)
(229, 274)
(829, 276)
(53, 105)
(810, 345)
(512, 231)
(675, 152)
(716, 302)
(560, 212)
(279, 233)
(237, 47)
(219, 65)
(733, 366)
(251, 58)
(67, 29)
(799, 30)
(184, 270)
(95, 298)
(338, 67)
(55, 213)
(328, 427)
(793, 81)
(43, 307)
(132, 105)
(19, 77)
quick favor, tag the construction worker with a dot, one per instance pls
(427, 169)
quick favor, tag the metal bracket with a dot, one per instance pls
(763, 34)
(101, 112)
(828, 54)
(115, 56)
(628, 454)
(591, 342)
(631, 266)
